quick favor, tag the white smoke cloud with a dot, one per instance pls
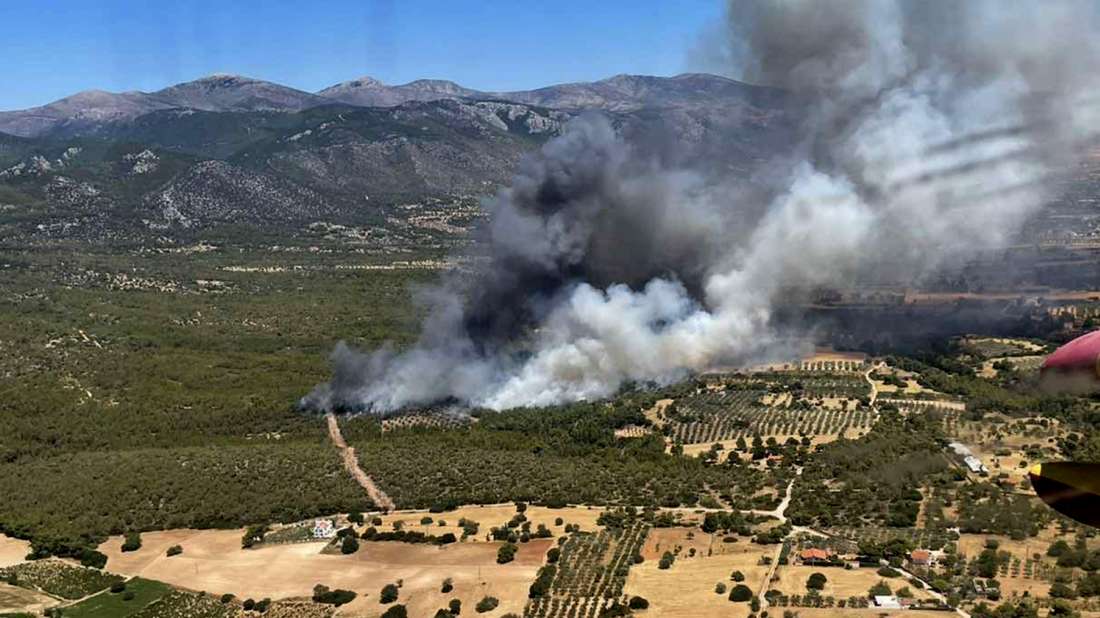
(930, 131)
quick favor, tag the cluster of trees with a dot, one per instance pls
(877, 474)
(69, 503)
(506, 553)
(986, 508)
(667, 560)
(541, 586)
(337, 597)
(1011, 394)
(726, 521)
(132, 542)
(553, 456)
(408, 536)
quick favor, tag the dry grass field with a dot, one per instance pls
(841, 583)
(700, 448)
(1016, 584)
(836, 612)
(687, 589)
(490, 516)
(213, 561)
(12, 551)
(19, 600)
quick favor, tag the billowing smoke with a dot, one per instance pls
(928, 131)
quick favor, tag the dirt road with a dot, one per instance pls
(351, 462)
(874, 388)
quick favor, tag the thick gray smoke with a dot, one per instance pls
(929, 130)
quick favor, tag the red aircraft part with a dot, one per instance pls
(1078, 357)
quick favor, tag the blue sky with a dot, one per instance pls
(53, 48)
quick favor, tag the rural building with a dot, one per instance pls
(976, 466)
(887, 602)
(921, 557)
(323, 529)
(814, 555)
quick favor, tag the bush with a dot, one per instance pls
(506, 553)
(455, 606)
(397, 611)
(1058, 590)
(128, 595)
(118, 587)
(174, 550)
(448, 585)
(720, 588)
(262, 605)
(338, 597)
(92, 558)
(349, 545)
(737, 576)
(880, 589)
(666, 560)
(888, 572)
(541, 586)
(740, 593)
(638, 603)
(487, 604)
(227, 598)
(389, 593)
(253, 535)
(248, 605)
(132, 542)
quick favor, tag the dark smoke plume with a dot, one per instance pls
(930, 130)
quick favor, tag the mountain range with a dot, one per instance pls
(90, 111)
(405, 162)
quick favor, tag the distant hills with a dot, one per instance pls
(90, 111)
(231, 152)
(619, 93)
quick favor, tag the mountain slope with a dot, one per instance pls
(624, 93)
(368, 92)
(233, 93)
(89, 112)
(621, 93)
(80, 112)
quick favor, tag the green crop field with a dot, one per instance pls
(116, 604)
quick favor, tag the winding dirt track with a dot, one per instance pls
(351, 462)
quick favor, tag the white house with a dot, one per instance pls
(887, 602)
(323, 529)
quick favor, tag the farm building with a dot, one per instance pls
(887, 602)
(976, 466)
(921, 557)
(814, 555)
(323, 529)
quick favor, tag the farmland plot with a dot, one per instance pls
(590, 573)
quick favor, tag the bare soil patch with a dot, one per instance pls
(12, 551)
(840, 584)
(15, 600)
